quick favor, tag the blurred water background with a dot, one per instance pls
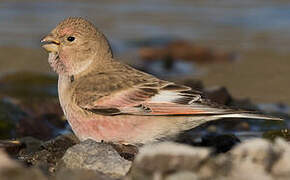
(258, 32)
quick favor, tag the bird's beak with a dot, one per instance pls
(50, 44)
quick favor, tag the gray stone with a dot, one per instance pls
(12, 170)
(22, 173)
(161, 160)
(251, 160)
(281, 167)
(80, 174)
(182, 175)
(264, 159)
(256, 153)
(6, 162)
(92, 155)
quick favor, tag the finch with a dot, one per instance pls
(106, 100)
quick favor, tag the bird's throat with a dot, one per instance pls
(56, 64)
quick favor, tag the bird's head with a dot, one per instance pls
(74, 45)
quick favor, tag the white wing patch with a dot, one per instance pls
(171, 96)
(165, 96)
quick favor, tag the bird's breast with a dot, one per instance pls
(64, 93)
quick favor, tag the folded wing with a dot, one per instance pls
(158, 98)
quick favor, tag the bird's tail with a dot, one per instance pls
(248, 115)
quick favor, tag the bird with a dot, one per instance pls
(104, 99)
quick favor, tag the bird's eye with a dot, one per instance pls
(71, 38)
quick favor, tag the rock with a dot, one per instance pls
(36, 95)
(49, 152)
(182, 175)
(219, 95)
(255, 154)
(282, 166)
(185, 50)
(253, 159)
(6, 162)
(77, 174)
(263, 157)
(43, 155)
(190, 51)
(152, 53)
(273, 134)
(165, 159)
(11, 146)
(11, 170)
(92, 155)
(43, 121)
(127, 152)
(34, 127)
(244, 104)
(10, 115)
(31, 144)
(22, 173)
(27, 144)
(219, 143)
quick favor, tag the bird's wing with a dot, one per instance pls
(125, 90)
(153, 98)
